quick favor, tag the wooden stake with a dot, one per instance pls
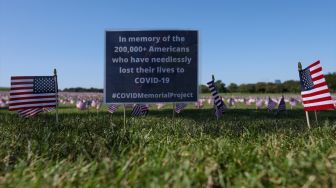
(307, 117)
(316, 117)
(56, 93)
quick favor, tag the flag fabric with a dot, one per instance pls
(140, 110)
(282, 105)
(112, 108)
(199, 104)
(29, 112)
(231, 101)
(314, 89)
(29, 92)
(48, 109)
(271, 104)
(179, 107)
(2, 103)
(219, 111)
(293, 102)
(218, 102)
(259, 103)
(81, 105)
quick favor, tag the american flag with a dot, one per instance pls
(282, 105)
(219, 111)
(140, 110)
(271, 104)
(199, 104)
(314, 89)
(231, 101)
(179, 107)
(30, 94)
(112, 108)
(293, 102)
(218, 102)
(259, 103)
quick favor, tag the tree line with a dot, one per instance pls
(289, 86)
(81, 89)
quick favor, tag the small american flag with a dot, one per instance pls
(30, 94)
(259, 103)
(231, 101)
(218, 102)
(271, 104)
(293, 102)
(314, 89)
(112, 108)
(219, 111)
(179, 107)
(140, 110)
(282, 105)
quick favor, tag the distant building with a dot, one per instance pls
(277, 81)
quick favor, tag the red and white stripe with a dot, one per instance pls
(22, 96)
(318, 98)
(31, 112)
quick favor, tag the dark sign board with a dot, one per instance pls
(151, 66)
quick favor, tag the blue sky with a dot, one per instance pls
(240, 41)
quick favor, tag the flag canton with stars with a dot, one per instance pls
(44, 84)
(306, 80)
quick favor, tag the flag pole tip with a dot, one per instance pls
(299, 66)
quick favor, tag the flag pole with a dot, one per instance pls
(56, 93)
(307, 117)
(316, 117)
(307, 114)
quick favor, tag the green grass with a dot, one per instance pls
(245, 148)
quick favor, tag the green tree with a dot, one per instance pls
(204, 89)
(220, 86)
(232, 87)
(331, 80)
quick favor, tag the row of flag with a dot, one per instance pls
(31, 95)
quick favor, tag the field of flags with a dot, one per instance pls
(223, 139)
(84, 101)
(31, 95)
